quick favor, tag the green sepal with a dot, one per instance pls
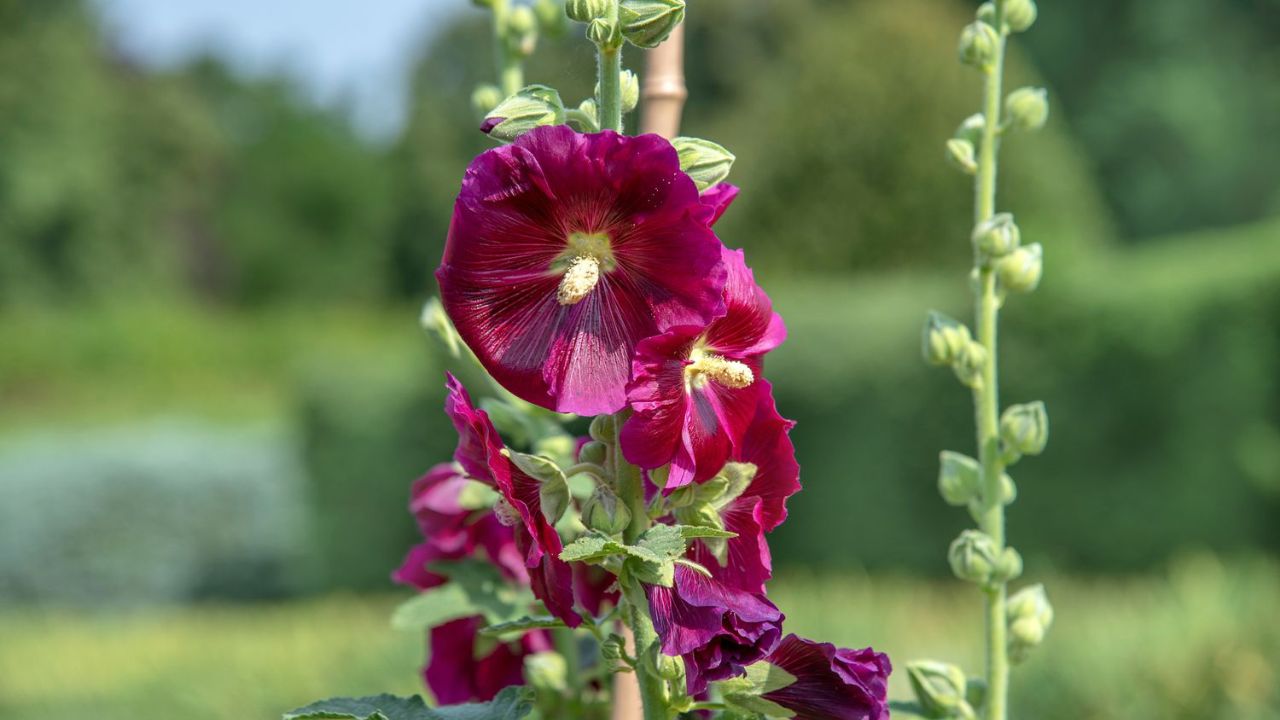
(553, 490)
(762, 678)
(531, 107)
(646, 23)
(705, 162)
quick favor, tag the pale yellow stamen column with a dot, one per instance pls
(729, 373)
(579, 280)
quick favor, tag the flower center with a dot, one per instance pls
(585, 257)
(707, 367)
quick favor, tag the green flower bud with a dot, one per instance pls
(551, 17)
(702, 160)
(1008, 566)
(973, 556)
(1020, 270)
(434, 319)
(971, 129)
(998, 236)
(670, 668)
(939, 689)
(1027, 108)
(1019, 14)
(594, 452)
(1008, 490)
(546, 671)
(605, 512)
(603, 33)
(959, 478)
(588, 107)
(944, 339)
(485, 98)
(584, 11)
(978, 44)
(522, 30)
(647, 23)
(961, 154)
(987, 13)
(1030, 617)
(660, 475)
(630, 91)
(1025, 428)
(532, 107)
(603, 429)
(970, 364)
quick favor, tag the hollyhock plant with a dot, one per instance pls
(717, 630)
(718, 198)
(481, 452)
(831, 683)
(567, 249)
(454, 673)
(695, 388)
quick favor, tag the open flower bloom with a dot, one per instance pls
(718, 198)
(831, 683)
(695, 387)
(454, 673)
(565, 251)
(452, 532)
(520, 507)
(716, 629)
(746, 563)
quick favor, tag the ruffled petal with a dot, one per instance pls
(718, 198)
(831, 683)
(767, 445)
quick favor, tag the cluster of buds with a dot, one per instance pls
(943, 692)
(948, 342)
(975, 558)
(1029, 617)
(643, 23)
(516, 30)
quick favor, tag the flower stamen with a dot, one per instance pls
(579, 280)
(707, 367)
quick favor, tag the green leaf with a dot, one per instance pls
(908, 710)
(757, 704)
(594, 548)
(653, 572)
(665, 541)
(521, 625)
(513, 703)
(689, 532)
(434, 607)
(474, 588)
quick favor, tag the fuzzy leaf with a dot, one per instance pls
(474, 588)
(521, 625)
(513, 703)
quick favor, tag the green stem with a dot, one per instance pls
(986, 394)
(510, 69)
(608, 72)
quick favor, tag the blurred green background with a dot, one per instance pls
(214, 393)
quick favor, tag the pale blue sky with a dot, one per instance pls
(340, 48)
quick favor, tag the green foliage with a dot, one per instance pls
(512, 703)
(475, 587)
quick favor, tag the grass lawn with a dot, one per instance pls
(1202, 641)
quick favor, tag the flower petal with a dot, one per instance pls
(831, 684)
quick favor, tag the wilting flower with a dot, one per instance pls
(454, 673)
(760, 507)
(568, 249)
(695, 387)
(831, 683)
(520, 507)
(718, 198)
(716, 629)
(453, 532)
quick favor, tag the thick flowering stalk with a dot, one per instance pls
(1002, 265)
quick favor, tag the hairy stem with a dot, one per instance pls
(986, 394)
(608, 74)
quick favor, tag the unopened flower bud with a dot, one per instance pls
(939, 689)
(605, 512)
(998, 236)
(1027, 108)
(961, 154)
(551, 17)
(971, 129)
(647, 23)
(532, 107)
(603, 429)
(670, 668)
(970, 365)
(1008, 489)
(522, 29)
(588, 107)
(485, 98)
(944, 339)
(1019, 14)
(959, 478)
(1025, 428)
(546, 671)
(584, 11)
(1008, 566)
(594, 452)
(1030, 616)
(973, 556)
(705, 162)
(603, 33)
(630, 91)
(987, 13)
(1020, 270)
(978, 44)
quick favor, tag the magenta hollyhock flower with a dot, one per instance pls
(520, 507)
(695, 388)
(565, 251)
(718, 198)
(762, 505)
(716, 629)
(454, 673)
(452, 532)
(831, 683)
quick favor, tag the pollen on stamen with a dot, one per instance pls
(729, 373)
(579, 280)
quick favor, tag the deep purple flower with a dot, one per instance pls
(831, 683)
(454, 673)
(719, 197)
(520, 508)
(694, 389)
(761, 507)
(565, 251)
(716, 629)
